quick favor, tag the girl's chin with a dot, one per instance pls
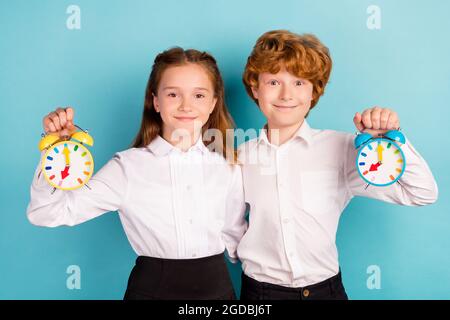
(187, 127)
(186, 120)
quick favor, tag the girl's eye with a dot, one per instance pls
(298, 83)
(199, 96)
(273, 82)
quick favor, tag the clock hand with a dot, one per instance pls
(374, 167)
(380, 153)
(65, 172)
(66, 153)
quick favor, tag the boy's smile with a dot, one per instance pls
(284, 108)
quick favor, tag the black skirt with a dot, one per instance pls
(180, 279)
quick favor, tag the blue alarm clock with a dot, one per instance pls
(380, 161)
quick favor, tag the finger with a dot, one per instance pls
(375, 118)
(70, 127)
(384, 117)
(357, 121)
(64, 132)
(52, 127)
(393, 122)
(70, 114)
(55, 120)
(46, 123)
(366, 119)
(62, 117)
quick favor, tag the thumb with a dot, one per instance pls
(357, 121)
(70, 126)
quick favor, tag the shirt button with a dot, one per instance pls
(190, 221)
(194, 255)
(285, 220)
(291, 254)
(306, 293)
(188, 187)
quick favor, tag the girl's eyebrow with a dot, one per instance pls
(170, 88)
(197, 88)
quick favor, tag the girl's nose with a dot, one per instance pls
(185, 106)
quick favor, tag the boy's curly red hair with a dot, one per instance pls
(302, 55)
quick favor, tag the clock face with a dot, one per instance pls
(67, 165)
(380, 162)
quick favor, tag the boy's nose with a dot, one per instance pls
(285, 94)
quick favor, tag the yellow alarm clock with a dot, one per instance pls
(67, 164)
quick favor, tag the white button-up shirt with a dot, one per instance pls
(172, 204)
(297, 192)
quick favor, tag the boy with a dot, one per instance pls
(303, 178)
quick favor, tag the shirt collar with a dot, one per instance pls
(160, 147)
(304, 132)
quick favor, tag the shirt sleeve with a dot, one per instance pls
(416, 187)
(71, 207)
(235, 224)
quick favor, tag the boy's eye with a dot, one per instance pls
(298, 83)
(199, 95)
(273, 82)
(172, 94)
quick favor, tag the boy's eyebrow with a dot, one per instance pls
(274, 77)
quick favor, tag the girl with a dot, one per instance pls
(181, 204)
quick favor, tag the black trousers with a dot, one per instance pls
(330, 289)
(180, 279)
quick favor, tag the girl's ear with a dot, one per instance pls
(155, 102)
(255, 92)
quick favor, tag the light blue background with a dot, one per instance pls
(102, 69)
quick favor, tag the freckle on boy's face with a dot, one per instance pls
(284, 98)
